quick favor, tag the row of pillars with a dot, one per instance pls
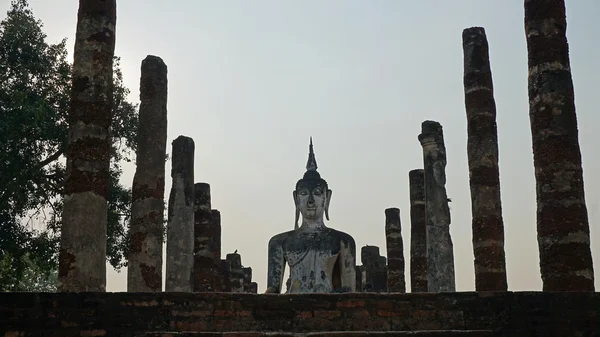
(562, 219)
(193, 259)
(562, 222)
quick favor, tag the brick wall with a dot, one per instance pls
(128, 314)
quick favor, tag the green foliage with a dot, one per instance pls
(35, 87)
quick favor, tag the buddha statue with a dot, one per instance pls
(321, 259)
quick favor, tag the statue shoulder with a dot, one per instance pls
(280, 238)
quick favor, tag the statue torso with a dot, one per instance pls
(312, 256)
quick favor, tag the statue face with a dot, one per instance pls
(311, 201)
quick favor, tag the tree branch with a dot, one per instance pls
(50, 159)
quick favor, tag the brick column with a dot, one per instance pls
(82, 254)
(418, 232)
(375, 270)
(216, 248)
(562, 219)
(359, 279)
(206, 259)
(484, 174)
(395, 252)
(236, 274)
(225, 276)
(247, 279)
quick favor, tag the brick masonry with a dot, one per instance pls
(132, 314)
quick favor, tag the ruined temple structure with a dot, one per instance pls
(375, 270)
(320, 259)
(328, 294)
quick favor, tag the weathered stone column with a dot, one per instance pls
(236, 274)
(418, 232)
(216, 248)
(395, 252)
(144, 267)
(562, 219)
(440, 255)
(206, 258)
(82, 255)
(375, 269)
(484, 174)
(180, 225)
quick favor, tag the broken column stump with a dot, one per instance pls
(484, 174)
(180, 224)
(418, 232)
(236, 273)
(395, 252)
(440, 255)
(144, 263)
(375, 270)
(207, 253)
(82, 254)
(562, 219)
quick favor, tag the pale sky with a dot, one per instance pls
(251, 81)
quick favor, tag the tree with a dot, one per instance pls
(35, 84)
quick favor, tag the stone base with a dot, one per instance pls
(512, 314)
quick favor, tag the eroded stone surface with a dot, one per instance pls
(321, 259)
(180, 224)
(396, 282)
(418, 232)
(440, 255)
(82, 254)
(144, 267)
(565, 262)
(484, 175)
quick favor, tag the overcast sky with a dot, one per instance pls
(251, 81)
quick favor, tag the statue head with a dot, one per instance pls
(312, 195)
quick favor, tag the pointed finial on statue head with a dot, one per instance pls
(311, 180)
(311, 164)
